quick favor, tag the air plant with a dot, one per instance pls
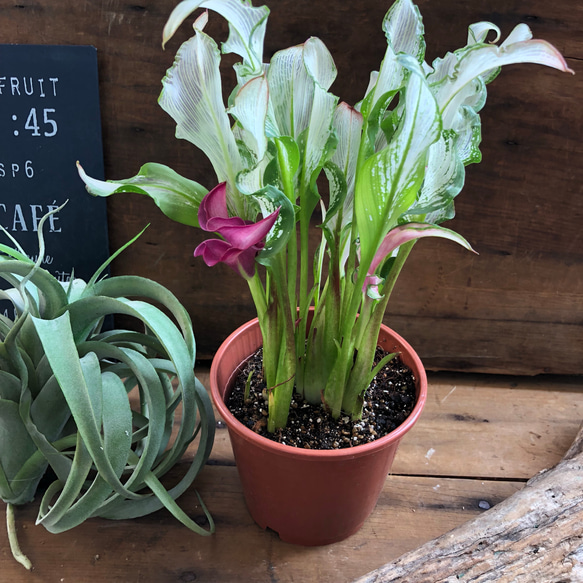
(94, 407)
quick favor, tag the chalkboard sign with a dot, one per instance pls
(49, 119)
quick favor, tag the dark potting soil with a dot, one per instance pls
(388, 401)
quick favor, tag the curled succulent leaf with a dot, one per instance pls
(97, 406)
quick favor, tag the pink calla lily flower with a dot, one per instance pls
(242, 240)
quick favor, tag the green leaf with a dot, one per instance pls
(270, 199)
(288, 162)
(177, 197)
(133, 285)
(389, 180)
(12, 430)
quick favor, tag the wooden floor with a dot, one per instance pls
(479, 439)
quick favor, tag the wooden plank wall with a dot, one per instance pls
(517, 307)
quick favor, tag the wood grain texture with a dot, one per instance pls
(428, 494)
(514, 308)
(480, 426)
(535, 535)
(156, 549)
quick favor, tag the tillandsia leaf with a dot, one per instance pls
(389, 180)
(13, 431)
(70, 509)
(133, 285)
(41, 282)
(53, 364)
(246, 29)
(177, 197)
(82, 289)
(14, 253)
(192, 96)
(79, 381)
(119, 508)
(192, 393)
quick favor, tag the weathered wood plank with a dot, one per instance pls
(521, 207)
(481, 426)
(157, 549)
(535, 535)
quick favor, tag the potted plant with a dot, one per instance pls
(93, 408)
(394, 164)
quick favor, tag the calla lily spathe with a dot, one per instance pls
(241, 241)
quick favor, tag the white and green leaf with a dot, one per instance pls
(192, 96)
(177, 197)
(389, 181)
(246, 28)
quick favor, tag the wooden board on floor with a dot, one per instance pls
(156, 549)
(481, 426)
(531, 422)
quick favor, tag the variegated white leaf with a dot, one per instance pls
(389, 180)
(246, 28)
(347, 124)
(250, 110)
(478, 33)
(404, 29)
(479, 60)
(192, 95)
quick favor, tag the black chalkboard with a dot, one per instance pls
(49, 119)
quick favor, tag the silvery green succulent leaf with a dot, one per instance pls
(192, 96)
(246, 29)
(64, 389)
(177, 197)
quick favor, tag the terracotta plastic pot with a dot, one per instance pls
(309, 497)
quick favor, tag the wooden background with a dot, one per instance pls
(517, 307)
